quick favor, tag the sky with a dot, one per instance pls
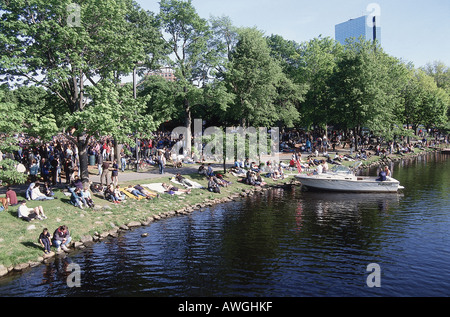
(412, 30)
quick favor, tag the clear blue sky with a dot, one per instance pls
(415, 31)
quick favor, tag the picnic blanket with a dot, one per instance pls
(194, 184)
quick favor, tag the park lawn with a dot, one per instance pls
(18, 244)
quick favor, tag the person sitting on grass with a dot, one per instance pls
(47, 190)
(77, 182)
(37, 195)
(259, 180)
(96, 188)
(202, 169)
(61, 238)
(76, 199)
(213, 186)
(250, 178)
(237, 171)
(45, 240)
(278, 173)
(209, 171)
(110, 194)
(86, 195)
(11, 196)
(28, 214)
(118, 193)
(28, 191)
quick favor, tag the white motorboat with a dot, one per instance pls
(343, 179)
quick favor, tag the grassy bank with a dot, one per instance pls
(19, 242)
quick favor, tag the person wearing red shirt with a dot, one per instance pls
(11, 196)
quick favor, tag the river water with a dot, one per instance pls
(283, 243)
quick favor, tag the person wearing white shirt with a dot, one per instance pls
(37, 195)
(28, 214)
(319, 169)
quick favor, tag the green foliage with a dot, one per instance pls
(9, 173)
(113, 111)
(76, 62)
(188, 35)
(161, 98)
(262, 91)
(317, 60)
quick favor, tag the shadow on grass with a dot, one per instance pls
(31, 245)
(66, 200)
(198, 176)
(12, 211)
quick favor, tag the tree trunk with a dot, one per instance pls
(116, 151)
(355, 136)
(83, 157)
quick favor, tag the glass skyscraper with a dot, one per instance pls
(366, 26)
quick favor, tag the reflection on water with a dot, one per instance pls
(280, 243)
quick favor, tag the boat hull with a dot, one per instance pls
(351, 184)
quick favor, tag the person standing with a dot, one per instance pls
(100, 163)
(54, 170)
(69, 169)
(123, 160)
(161, 162)
(115, 173)
(105, 171)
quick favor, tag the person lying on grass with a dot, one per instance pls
(172, 189)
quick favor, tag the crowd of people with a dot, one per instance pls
(48, 163)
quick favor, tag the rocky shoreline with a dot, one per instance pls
(86, 241)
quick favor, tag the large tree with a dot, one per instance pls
(363, 89)
(66, 45)
(11, 124)
(187, 35)
(317, 60)
(263, 93)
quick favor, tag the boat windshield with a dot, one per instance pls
(340, 169)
